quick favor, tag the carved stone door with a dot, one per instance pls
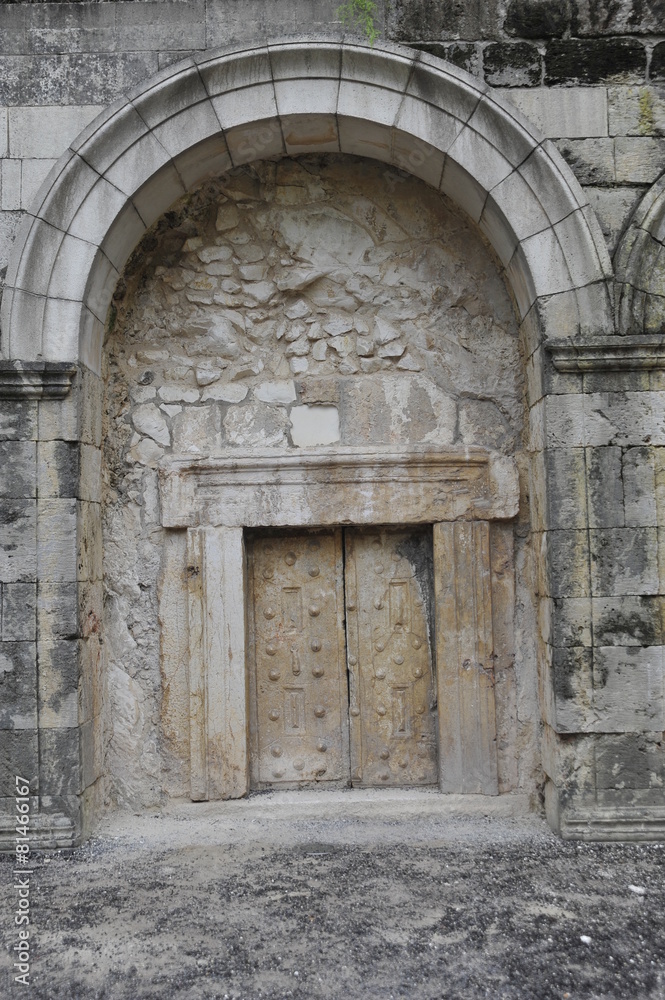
(298, 686)
(389, 591)
(308, 672)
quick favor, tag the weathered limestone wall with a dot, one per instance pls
(591, 79)
(294, 303)
(50, 678)
(602, 606)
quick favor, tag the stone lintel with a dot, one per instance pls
(300, 488)
(35, 379)
(617, 354)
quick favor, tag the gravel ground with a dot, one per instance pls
(372, 902)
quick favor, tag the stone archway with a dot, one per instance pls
(639, 266)
(201, 118)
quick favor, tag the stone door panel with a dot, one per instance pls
(298, 686)
(392, 708)
(356, 707)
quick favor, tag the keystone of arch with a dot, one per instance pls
(207, 115)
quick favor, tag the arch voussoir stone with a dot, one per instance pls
(203, 117)
(640, 267)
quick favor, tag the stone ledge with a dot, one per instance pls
(637, 824)
(45, 833)
(35, 379)
(226, 818)
(618, 354)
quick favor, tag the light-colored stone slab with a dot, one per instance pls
(4, 138)
(19, 608)
(613, 207)
(217, 676)
(89, 562)
(628, 690)
(636, 110)
(33, 175)
(58, 684)
(622, 418)
(56, 545)
(10, 185)
(562, 112)
(314, 425)
(156, 26)
(148, 420)
(90, 483)
(465, 667)
(233, 392)
(480, 158)
(639, 160)
(591, 160)
(385, 486)
(546, 261)
(276, 392)
(639, 487)
(45, 132)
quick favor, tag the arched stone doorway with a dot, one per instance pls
(303, 344)
(198, 120)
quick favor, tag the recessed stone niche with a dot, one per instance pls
(287, 321)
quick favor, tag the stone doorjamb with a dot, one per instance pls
(459, 492)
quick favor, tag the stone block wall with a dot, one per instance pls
(38, 566)
(593, 82)
(603, 609)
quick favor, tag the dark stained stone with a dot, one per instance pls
(537, 18)
(512, 64)
(596, 60)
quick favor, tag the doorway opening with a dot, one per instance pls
(342, 685)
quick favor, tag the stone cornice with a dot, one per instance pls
(616, 354)
(35, 379)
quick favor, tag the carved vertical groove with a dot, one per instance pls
(198, 779)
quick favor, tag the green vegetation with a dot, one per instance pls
(359, 15)
(646, 121)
